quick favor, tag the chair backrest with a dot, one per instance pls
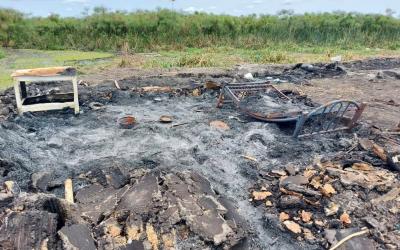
(333, 116)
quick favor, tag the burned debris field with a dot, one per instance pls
(154, 164)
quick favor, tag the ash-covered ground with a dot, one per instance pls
(67, 145)
(54, 146)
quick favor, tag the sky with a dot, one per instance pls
(232, 7)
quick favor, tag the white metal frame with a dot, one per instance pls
(44, 106)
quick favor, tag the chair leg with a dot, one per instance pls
(76, 98)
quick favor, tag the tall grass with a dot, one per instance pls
(2, 54)
(164, 29)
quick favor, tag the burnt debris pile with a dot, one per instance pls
(155, 165)
(302, 72)
(140, 209)
(333, 199)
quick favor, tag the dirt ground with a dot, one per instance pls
(381, 95)
(189, 167)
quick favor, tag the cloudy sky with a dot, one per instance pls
(233, 7)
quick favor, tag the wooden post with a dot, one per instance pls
(18, 96)
(69, 191)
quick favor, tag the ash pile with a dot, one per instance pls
(349, 201)
(120, 209)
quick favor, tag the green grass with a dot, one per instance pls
(228, 57)
(2, 54)
(26, 59)
(92, 62)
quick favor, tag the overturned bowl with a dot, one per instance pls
(127, 122)
(166, 119)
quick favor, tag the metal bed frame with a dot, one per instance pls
(326, 118)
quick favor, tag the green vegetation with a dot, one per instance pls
(188, 40)
(167, 30)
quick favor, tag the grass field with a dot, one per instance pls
(92, 62)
